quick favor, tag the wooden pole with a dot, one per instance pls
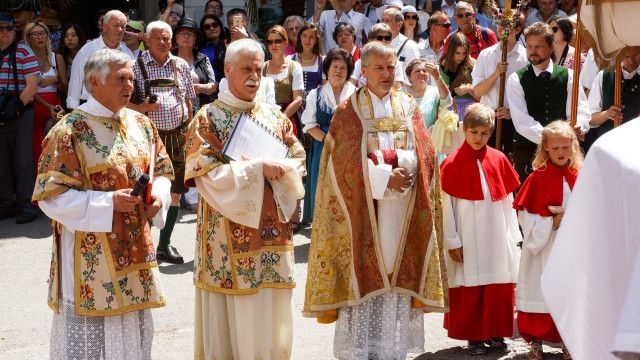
(576, 70)
(507, 16)
(617, 94)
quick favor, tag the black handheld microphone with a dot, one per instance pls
(153, 98)
(142, 183)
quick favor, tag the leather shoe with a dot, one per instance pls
(476, 348)
(26, 217)
(169, 255)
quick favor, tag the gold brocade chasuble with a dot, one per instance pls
(112, 273)
(345, 261)
(231, 258)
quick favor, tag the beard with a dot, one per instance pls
(537, 60)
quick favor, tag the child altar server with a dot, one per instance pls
(481, 236)
(540, 203)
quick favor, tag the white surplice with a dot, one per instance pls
(241, 327)
(539, 238)
(590, 283)
(488, 231)
(73, 337)
(385, 326)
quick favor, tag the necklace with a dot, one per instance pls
(313, 59)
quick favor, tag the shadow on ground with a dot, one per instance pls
(460, 353)
(39, 229)
(173, 269)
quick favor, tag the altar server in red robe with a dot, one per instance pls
(481, 236)
(540, 203)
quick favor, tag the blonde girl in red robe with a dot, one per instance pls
(540, 203)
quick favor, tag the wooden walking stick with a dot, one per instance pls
(507, 17)
(617, 94)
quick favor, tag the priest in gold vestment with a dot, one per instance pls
(243, 266)
(375, 262)
(103, 275)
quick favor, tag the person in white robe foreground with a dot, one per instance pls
(540, 203)
(591, 283)
(243, 266)
(103, 275)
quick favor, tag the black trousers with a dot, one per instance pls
(523, 153)
(17, 170)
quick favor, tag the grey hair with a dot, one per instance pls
(112, 13)
(291, 18)
(378, 28)
(375, 48)
(159, 25)
(397, 14)
(461, 5)
(241, 47)
(98, 64)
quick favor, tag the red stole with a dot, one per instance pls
(544, 188)
(461, 176)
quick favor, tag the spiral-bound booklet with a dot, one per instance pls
(252, 140)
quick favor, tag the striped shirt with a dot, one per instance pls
(173, 108)
(27, 66)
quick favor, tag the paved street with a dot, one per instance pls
(25, 252)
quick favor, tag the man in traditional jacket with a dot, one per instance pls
(103, 274)
(375, 264)
(602, 94)
(538, 94)
(243, 266)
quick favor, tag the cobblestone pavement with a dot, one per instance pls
(25, 252)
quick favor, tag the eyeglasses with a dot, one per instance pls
(383, 37)
(275, 42)
(38, 34)
(555, 29)
(445, 25)
(411, 17)
(462, 16)
(7, 28)
(211, 26)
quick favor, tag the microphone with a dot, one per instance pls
(153, 98)
(142, 183)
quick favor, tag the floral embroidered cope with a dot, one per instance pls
(231, 258)
(86, 152)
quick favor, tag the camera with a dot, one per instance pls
(11, 107)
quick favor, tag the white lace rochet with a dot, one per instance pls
(121, 337)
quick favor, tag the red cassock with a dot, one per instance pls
(541, 189)
(485, 311)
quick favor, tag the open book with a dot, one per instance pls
(252, 140)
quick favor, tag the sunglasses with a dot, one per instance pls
(555, 29)
(383, 37)
(462, 16)
(445, 25)
(411, 17)
(7, 28)
(211, 26)
(275, 42)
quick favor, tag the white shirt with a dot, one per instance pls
(534, 16)
(448, 9)
(297, 76)
(91, 211)
(427, 52)
(328, 20)
(486, 65)
(589, 70)
(328, 98)
(77, 90)
(526, 125)
(398, 74)
(409, 51)
(595, 95)
(373, 14)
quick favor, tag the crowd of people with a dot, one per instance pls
(387, 115)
